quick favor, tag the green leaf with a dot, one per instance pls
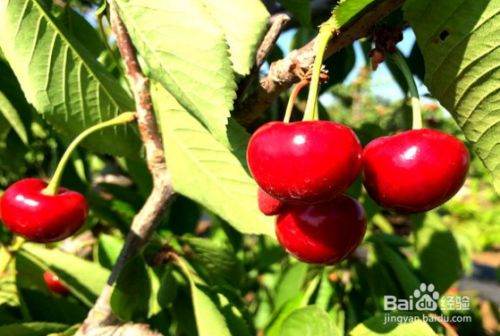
(438, 253)
(131, 293)
(62, 79)
(186, 50)
(183, 217)
(209, 319)
(301, 9)
(378, 326)
(167, 291)
(243, 22)
(300, 300)
(31, 329)
(234, 318)
(348, 10)
(83, 31)
(325, 292)
(84, 278)
(291, 284)
(204, 170)
(218, 259)
(10, 114)
(68, 332)
(308, 321)
(5, 128)
(459, 42)
(108, 249)
(49, 307)
(8, 290)
(400, 266)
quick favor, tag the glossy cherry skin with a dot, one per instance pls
(54, 284)
(322, 233)
(268, 204)
(26, 211)
(414, 171)
(307, 161)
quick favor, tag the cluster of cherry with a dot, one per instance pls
(304, 168)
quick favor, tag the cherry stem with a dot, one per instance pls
(293, 97)
(311, 111)
(54, 183)
(401, 63)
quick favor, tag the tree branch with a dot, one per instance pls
(284, 73)
(278, 22)
(144, 223)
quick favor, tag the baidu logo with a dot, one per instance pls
(424, 298)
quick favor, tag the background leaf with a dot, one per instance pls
(61, 78)
(218, 259)
(348, 10)
(400, 267)
(376, 326)
(131, 293)
(205, 170)
(209, 320)
(308, 321)
(459, 42)
(10, 114)
(84, 278)
(438, 253)
(301, 9)
(108, 249)
(31, 329)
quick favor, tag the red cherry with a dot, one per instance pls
(415, 170)
(42, 218)
(322, 233)
(308, 161)
(268, 205)
(54, 284)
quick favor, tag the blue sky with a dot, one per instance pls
(382, 84)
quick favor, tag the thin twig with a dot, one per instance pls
(145, 221)
(278, 22)
(284, 73)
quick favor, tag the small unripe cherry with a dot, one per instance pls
(322, 233)
(54, 284)
(268, 204)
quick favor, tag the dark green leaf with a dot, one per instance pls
(209, 319)
(438, 253)
(400, 267)
(50, 307)
(218, 260)
(132, 291)
(11, 115)
(84, 278)
(300, 9)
